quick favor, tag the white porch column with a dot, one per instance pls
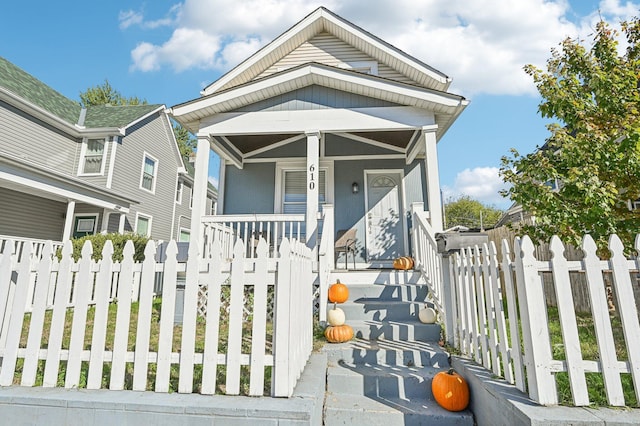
(221, 176)
(68, 221)
(123, 219)
(200, 182)
(434, 201)
(313, 183)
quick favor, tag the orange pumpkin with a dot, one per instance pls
(403, 263)
(338, 333)
(338, 292)
(450, 390)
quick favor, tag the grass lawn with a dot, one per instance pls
(153, 347)
(589, 347)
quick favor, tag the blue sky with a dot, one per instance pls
(167, 51)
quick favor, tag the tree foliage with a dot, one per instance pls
(466, 211)
(186, 142)
(106, 95)
(593, 151)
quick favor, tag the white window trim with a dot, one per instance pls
(95, 222)
(146, 216)
(284, 166)
(83, 151)
(181, 190)
(181, 231)
(155, 172)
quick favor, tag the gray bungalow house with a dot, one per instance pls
(66, 171)
(326, 114)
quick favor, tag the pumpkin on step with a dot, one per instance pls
(338, 292)
(403, 263)
(335, 316)
(450, 390)
(339, 333)
(427, 315)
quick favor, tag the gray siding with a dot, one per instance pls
(151, 136)
(36, 141)
(315, 97)
(350, 208)
(183, 211)
(250, 190)
(29, 216)
(327, 49)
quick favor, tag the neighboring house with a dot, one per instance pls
(184, 203)
(67, 171)
(327, 113)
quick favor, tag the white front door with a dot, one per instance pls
(384, 221)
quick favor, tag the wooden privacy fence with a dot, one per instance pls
(130, 341)
(492, 330)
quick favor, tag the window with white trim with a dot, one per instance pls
(184, 235)
(143, 225)
(149, 173)
(179, 192)
(92, 158)
(294, 193)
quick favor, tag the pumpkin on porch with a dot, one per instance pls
(339, 333)
(403, 263)
(450, 390)
(338, 292)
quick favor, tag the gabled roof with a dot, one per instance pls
(32, 93)
(446, 106)
(323, 20)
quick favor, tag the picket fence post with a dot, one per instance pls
(535, 329)
(627, 307)
(281, 339)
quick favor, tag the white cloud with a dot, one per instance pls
(128, 18)
(480, 183)
(482, 44)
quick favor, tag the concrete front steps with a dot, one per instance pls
(383, 376)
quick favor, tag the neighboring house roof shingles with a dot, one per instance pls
(116, 116)
(33, 90)
(29, 88)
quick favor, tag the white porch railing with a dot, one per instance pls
(36, 245)
(429, 263)
(482, 317)
(326, 259)
(273, 228)
(47, 288)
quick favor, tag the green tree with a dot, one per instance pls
(106, 95)
(186, 142)
(593, 151)
(466, 211)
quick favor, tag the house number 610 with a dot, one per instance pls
(312, 183)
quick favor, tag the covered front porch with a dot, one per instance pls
(314, 152)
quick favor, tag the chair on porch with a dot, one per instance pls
(346, 243)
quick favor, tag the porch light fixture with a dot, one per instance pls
(355, 188)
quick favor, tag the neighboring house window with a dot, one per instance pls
(635, 205)
(190, 196)
(184, 236)
(553, 184)
(149, 173)
(143, 225)
(294, 199)
(214, 207)
(92, 157)
(179, 192)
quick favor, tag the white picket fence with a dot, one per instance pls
(40, 284)
(487, 328)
